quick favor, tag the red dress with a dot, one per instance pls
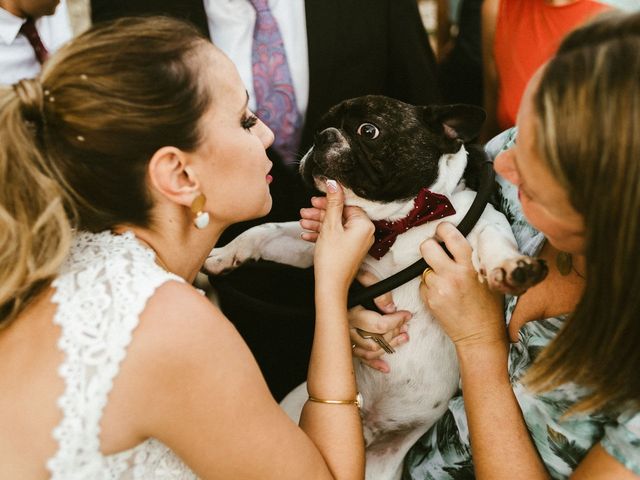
(528, 32)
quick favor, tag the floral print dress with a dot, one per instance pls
(444, 451)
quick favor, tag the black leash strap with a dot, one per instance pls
(360, 295)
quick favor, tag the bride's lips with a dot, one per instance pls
(269, 178)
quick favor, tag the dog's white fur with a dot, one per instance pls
(401, 405)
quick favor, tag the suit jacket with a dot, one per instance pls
(356, 47)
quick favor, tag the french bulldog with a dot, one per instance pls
(392, 158)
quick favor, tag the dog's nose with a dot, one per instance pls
(327, 136)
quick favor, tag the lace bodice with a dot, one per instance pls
(103, 287)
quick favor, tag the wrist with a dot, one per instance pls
(329, 285)
(489, 357)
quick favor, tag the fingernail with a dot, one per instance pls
(332, 186)
(404, 328)
(383, 369)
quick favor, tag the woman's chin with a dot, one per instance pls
(567, 246)
(267, 206)
(263, 211)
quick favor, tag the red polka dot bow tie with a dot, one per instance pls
(427, 206)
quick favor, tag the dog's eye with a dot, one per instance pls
(368, 130)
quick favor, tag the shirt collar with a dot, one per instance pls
(9, 26)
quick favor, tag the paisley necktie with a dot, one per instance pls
(275, 96)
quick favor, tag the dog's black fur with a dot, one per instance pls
(411, 138)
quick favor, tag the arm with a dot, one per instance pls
(196, 387)
(497, 428)
(599, 465)
(473, 317)
(345, 237)
(490, 73)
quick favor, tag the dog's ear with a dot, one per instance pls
(458, 122)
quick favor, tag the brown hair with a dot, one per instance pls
(74, 144)
(588, 130)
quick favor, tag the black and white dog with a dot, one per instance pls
(408, 168)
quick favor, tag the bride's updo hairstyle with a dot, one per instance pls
(75, 143)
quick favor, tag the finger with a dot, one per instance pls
(367, 278)
(424, 293)
(427, 277)
(370, 321)
(455, 242)
(434, 255)
(335, 204)
(309, 236)
(353, 212)
(319, 202)
(372, 355)
(363, 343)
(311, 225)
(397, 334)
(378, 364)
(312, 214)
(383, 302)
(366, 354)
(399, 339)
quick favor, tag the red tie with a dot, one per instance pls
(28, 29)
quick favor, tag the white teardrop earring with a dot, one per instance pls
(201, 219)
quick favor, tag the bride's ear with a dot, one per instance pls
(171, 177)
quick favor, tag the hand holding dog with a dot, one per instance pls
(344, 236)
(391, 323)
(466, 309)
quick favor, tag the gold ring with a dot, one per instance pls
(425, 274)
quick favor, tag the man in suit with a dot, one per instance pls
(354, 48)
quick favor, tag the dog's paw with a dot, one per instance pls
(227, 258)
(516, 275)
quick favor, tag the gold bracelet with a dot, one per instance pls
(358, 402)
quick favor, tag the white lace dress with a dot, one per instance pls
(103, 287)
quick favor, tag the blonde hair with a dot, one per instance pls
(588, 130)
(74, 144)
(34, 227)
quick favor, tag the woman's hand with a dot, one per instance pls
(344, 238)
(392, 324)
(465, 308)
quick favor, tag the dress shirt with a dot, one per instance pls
(231, 25)
(17, 58)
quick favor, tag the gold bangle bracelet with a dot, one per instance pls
(357, 402)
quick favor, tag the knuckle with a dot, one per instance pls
(367, 355)
(428, 246)
(334, 202)
(382, 325)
